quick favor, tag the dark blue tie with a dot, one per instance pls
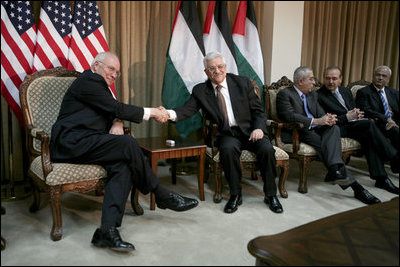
(385, 105)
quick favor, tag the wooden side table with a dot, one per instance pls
(364, 236)
(155, 148)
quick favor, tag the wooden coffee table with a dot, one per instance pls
(155, 148)
(364, 236)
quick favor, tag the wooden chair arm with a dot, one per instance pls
(210, 131)
(45, 146)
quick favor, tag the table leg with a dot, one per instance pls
(200, 174)
(173, 170)
(153, 162)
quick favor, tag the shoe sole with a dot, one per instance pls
(185, 209)
(103, 245)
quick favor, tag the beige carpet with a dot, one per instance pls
(201, 236)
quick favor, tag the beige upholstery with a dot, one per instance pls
(302, 152)
(41, 95)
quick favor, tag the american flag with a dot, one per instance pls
(18, 38)
(54, 35)
(88, 37)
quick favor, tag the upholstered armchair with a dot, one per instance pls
(300, 151)
(41, 95)
(247, 160)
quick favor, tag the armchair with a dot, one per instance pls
(41, 94)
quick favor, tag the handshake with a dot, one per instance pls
(160, 114)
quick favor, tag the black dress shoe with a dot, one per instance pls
(111, 239)
(337, 177)
(366, 197)
(233, 203)
(274, 204)
(176, 202)
(387, 184)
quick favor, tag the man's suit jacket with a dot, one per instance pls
(331, 105)
(87, 110)
(246, 106)
(290, 107)
(369, 101)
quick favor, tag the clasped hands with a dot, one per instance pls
(327, 119)
(354, 114)
(391, 123)
(160, 114)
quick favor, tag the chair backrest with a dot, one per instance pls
(270, 93)
(355, 86)
(41, 94)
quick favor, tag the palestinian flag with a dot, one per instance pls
(247, 44)
(217, 34)
(184, 68)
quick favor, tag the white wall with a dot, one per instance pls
(286, 45)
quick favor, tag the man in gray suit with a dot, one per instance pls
(230, 101)
(299, 103)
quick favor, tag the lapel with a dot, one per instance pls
(391, 99)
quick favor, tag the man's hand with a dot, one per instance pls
(355, 114)
(256, 135)
(327, 119)
(117, 128)
(391, 123)
(160, 114)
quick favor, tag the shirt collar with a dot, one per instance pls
(223, 84)
(377, 89)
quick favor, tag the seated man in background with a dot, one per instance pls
(299, 103)
(88, 130)
(230, 101)
(339, 100)
(381, 103)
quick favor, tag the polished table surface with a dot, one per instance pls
(364, 236)
(156, 148)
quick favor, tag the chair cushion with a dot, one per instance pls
(66, 173)
(248, 156)
(350, 144)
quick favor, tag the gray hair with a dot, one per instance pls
(300, 73)
(211, 56)
(383, 67)
(101, 56)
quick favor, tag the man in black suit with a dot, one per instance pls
(339, 100)
(299, 103)
(230, 101)
(88, 130)
(381, 103)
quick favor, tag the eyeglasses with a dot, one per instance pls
(111, 69)
(214, 68)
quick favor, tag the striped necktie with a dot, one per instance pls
(339, 98)
(385, 105)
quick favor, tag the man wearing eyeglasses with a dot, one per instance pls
(89, 130)
(230, 101)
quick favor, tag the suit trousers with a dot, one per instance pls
(230, 147)
(326, 142)
(126, 166)
(375, 145)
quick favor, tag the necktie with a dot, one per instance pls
(222, 106)
(303, 97)
(385, 105)
(339, 97)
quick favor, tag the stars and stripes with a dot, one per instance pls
(18, 39)
(54, 35)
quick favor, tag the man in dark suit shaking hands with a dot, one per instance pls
(230, 101)
(299, 103)
(339, 100)
(88, 130)
(381, 103)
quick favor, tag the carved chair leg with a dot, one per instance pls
(218, 182)
(137, 209)
(254, 175)
(55, 203)
(284, 168)
(304, 163)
